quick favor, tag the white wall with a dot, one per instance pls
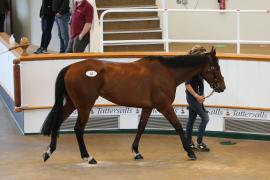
(6, 70)
(21, 18)
(181, 25)
(243, 89)
(218, 26)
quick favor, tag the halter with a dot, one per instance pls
(214, 83)
(211, 69)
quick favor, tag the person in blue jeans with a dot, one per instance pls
(62, 16)
(195, 99)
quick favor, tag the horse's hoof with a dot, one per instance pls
(45, 156)
(92, 161)
(138, 157)
(192, 156)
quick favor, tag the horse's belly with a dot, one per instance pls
(128, 99)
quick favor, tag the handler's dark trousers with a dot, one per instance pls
(195, 108)
(76, 45)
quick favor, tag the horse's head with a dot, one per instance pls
(211, 72)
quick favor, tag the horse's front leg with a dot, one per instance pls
(143, 121)
(169, 113)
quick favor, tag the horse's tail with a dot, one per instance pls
(54, 119)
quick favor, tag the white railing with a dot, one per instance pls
(165, 38)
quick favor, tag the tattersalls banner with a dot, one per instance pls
(213, 112)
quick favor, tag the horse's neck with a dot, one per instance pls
(184, 74)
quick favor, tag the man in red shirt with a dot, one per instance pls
(80, 25)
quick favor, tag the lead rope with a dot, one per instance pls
(209, 94)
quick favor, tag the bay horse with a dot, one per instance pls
(147, 83)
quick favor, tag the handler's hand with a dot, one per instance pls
(200, 99)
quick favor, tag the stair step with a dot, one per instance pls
(128, 14)
(103, 8)
(122, 30)
(132, 36)
(124, 48)
(131, 25)
(131, 19)
(133, 42)
(133, 31)
(124, 2)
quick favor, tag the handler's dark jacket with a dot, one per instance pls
(46, 9)
(60, 6)
(197, 84)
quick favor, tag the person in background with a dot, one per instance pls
(4, 9)
(47, 19)
(80, 25)
(62, 17)
(195, 99)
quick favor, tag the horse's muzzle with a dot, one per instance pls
(219, 87)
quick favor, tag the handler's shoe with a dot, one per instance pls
(202, 147)
(192, 146)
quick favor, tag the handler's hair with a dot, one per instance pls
(197, 50)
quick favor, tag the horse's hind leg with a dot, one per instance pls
(143, 121)
(68, 108)
(169, 113)
(83, 116)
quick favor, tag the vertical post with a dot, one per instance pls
(102, 31)
(17, 82)
(166, 30)
(163, 6)
(24, 42)
(165, 25)
(238, 31)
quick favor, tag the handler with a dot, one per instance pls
(195, 98)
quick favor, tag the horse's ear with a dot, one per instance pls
(213, 51)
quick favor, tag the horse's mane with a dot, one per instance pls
(179, 61)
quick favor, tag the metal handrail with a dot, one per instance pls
(165, 39)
